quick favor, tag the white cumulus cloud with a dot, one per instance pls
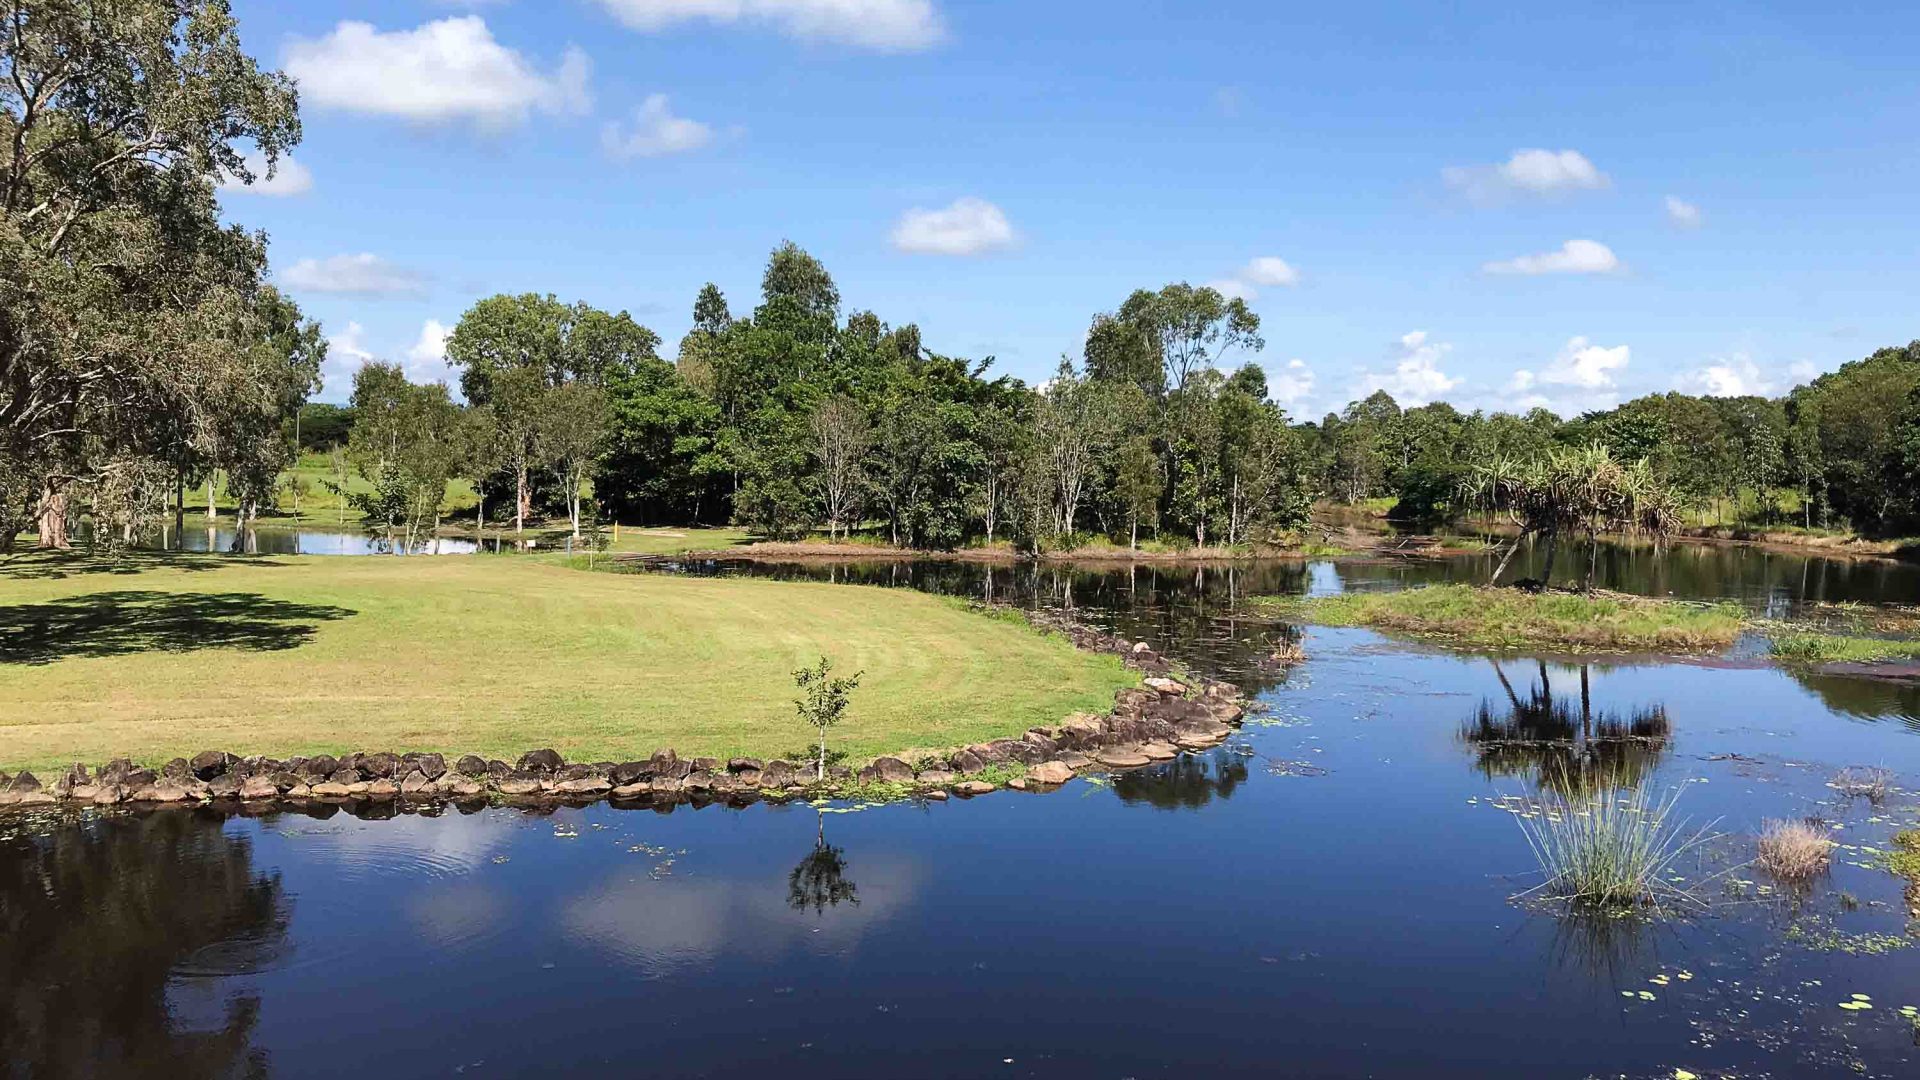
(447, 70)
(1416, 378)
(654, 132)
(427, 356)
(1682, 213)
(1527, 172)
(346, 353)
(1233, 288)
(1292, 385)
(880, 25)
(1269, 271)
(969, 226)
(1580, 377)
(1574, 257)
(1734, 375)
(364, 274)
(289, 178)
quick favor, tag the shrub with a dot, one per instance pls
(1794, 850)
(1857, 781)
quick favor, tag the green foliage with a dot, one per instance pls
(139, 343)
(823, 700)
(1820, 648)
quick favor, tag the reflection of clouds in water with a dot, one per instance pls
(409, 845)
(665, 925)
(459, 914)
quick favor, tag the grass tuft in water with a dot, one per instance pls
(1862, 781)
(1612, 851)
(1794, 850)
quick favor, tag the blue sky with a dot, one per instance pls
(1499, 205)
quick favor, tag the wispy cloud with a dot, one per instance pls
(364, 274)
(654, 132)
(879, 25)
(1574, 257)
(1526, 173)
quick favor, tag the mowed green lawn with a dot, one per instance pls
(494, 655)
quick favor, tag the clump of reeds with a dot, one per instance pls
(1794, 850)
(1606, 850)
(1871, 782)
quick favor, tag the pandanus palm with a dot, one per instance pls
(1573, 489)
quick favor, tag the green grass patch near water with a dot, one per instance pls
(1820, 648)
(162, 656)
(1512, 618)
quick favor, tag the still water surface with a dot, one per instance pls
(1327, 895)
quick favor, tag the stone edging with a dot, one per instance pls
(1152, 722)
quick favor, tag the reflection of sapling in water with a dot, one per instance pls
(820, 880)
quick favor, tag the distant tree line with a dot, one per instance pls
(1842, 450)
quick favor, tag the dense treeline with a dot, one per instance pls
(140, 346)
(1843, 450)
(793, 418)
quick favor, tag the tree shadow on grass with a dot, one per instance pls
(55, 565)
(135, 621)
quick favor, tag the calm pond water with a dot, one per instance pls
(1328, 895)
(275, 540)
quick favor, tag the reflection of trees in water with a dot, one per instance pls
(1563, 744)
(1862, 696)
(1196, 612)
(820, 880)
(1187, 782)
(1770, 580)
(97, 916)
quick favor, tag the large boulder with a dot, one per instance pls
(177, 769)
(987, 752)
(319, 765)
(584, 785)
(971, 788)
(1050, 772)
(541, 761)
(517, 783)
(777, 774)
(224, 786)
(1165, 687)
(1122, 757)
(379, 766)
(258, 787)
(628, 772)
(1083, 730)
(208, 764)
(888, 770)
(745, 764)
(471, 765)
(431, 766)
(966, 761)
(23, 783)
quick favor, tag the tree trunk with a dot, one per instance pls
(1508, 558)
(820, 772)
(179, 504)
(1593, 560)
(1133, 538)
(53, 514)
(522, 504)
(1546, 567)
(211, 516)
(480, 517)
